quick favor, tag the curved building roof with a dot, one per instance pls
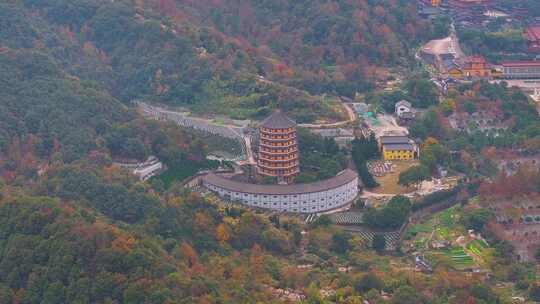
(278, 120)
(341, 179)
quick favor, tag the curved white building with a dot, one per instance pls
(300, 198)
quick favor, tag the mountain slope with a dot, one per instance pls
(209, 55)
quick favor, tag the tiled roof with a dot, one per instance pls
(278, 120)
(520, 63)
(403, 103)
(533, 33)
(385, 140)
(399, 147)
(341, 179)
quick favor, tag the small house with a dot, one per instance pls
(403, 107)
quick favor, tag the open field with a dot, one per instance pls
(389, 182)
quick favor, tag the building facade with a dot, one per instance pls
(321, 196)
(402, 107)
(398, 148)
(476, 66)
(521, 69)
(278, 148)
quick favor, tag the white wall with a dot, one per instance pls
(301, 203)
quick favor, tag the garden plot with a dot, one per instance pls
(347, 218)
(479, 247)
(391, 238)
(459, 257)
(438, 238)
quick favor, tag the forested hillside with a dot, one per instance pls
(179, 251)
(76, 228)
(240, 58)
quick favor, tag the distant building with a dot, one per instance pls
(341, 136)
(278, 148)
(398, 148)
(532, 35)
(402, 107)
(521, 69)
(404, 112)
(144, 171)
(455, 72)
(320, 196)
(461, 4)
(476, 66)
(360, 108)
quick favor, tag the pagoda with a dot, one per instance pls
(278, 148)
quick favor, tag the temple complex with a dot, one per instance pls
(476, 66)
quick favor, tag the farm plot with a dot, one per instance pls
(478, 247)
(347, 218)
(459, 257)
(391, 238)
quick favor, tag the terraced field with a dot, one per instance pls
(459, 257)
(478, 247)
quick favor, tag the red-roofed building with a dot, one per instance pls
(521, 69)
(532, 35)
(476, 66)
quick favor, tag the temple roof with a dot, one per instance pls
(342, 178)
(278, 120)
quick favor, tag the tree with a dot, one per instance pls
(54, 294)
(534, 293)
(368, 282)
(414, 175)
(477, 219)
(340, 242)
(407, 295)
(484, 292)
(423, 93)
(323, 220)
(222, 233)
(379, 242)
(362, 150)
(469, 107)
(391, 216)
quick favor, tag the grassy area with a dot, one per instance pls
(180, 173)
(389, 182)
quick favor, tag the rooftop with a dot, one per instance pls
(278, 120)
(520, 63)
(386, 140)
(476, 59)
(532, 33)
(398, 147)
(341, 179)
(403, 103)
(334, 132)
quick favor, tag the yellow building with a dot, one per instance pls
(455, 73)
(435, 2)
(398, 148)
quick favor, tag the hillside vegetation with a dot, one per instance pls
(240, 58)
